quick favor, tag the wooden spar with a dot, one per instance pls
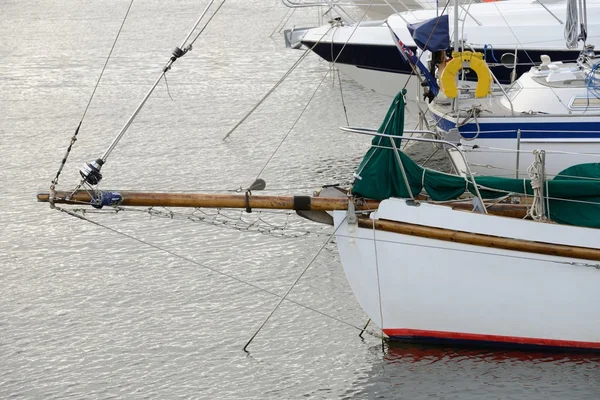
(500, 209)
(142, 199)
(148, 199)
(477, 239)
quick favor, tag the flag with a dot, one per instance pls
(409, 56)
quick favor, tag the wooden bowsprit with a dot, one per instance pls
(197, 200)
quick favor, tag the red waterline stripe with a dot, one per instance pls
(489, 338)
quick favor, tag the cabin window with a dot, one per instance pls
(513, 90)
(584, 103)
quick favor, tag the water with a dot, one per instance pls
(87, 312)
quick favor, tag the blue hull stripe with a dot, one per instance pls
(387, 57)
(529, 130)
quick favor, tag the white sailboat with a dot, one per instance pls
(528, 29)
(554, 106)
(423, 266)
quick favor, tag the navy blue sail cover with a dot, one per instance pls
(432, 35)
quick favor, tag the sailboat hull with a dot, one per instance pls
(503, 145)
(423, 289)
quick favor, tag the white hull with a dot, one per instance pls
(420, 288)
(506, 26)
(542, 117)
(386, 83)
(498, 157)
(381, 9)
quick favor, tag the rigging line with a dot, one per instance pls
(281, 23)
(176, 54)
(289, 72)
(295, 282)
(353, 31)
(378, 282)
(293, 126)
(167, 86)
(513, 33)
(190, 260)
(315, 92)
(74, 137)
(286, 75)
(279, 82)
(205, 25)
(342, 97)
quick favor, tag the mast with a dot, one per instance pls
(456, 48)
(456, 39)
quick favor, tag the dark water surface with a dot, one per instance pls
(89, 311)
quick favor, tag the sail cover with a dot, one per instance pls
(432, 35)
(573, 195)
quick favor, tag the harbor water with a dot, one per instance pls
(159, 303)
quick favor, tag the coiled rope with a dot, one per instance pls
(536, 211)
(571, 34)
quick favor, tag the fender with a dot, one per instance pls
(466, 59)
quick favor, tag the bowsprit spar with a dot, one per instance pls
(87, 191)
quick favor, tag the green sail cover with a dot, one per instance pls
(574, 194)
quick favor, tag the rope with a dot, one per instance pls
(536, 211)
(281, 23)
(571, 25)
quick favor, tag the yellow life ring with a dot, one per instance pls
(466, 59)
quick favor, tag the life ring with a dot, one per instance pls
(466, 59)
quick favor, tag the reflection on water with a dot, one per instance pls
(398, 353)
(411, 371)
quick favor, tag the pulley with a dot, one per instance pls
(91, 172)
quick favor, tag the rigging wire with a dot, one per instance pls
(342, 98)
(91, 172)
(205, 25)
(281, 23)
(315, 91)
(279, 82)
(74, 137)
(232, 277)
(514, 34)
(292, 127)
(177, 53)
(295, 282)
